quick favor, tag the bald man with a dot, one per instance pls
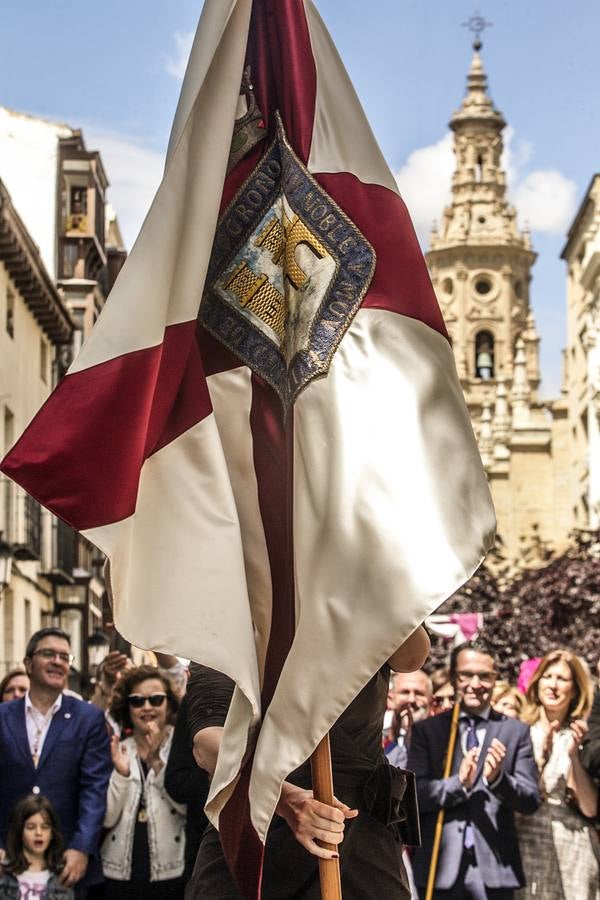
(409, 698)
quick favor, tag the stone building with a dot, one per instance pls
(480, 263)
(54, 199)
(34, 327)
(59, 188)
(582, 359)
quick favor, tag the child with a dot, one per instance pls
(33, 854)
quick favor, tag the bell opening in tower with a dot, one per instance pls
(479, 168)
(484, 355)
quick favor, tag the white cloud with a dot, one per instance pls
(176, 65)
(134, 173)
(424, 182)
(545, 199)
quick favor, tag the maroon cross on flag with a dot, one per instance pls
(265, 432)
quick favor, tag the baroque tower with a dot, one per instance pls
(480, 265)
(479, 260)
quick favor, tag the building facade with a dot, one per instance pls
(480, 264)
(582, 358)
(60, 253)
(34, 327)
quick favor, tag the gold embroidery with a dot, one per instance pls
(297, 233)
(283, 241)
(256, 293)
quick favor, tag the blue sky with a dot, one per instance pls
(114, 68)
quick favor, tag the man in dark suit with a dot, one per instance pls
(57, 746)
(493, 776)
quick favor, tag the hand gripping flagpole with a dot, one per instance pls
(439, 825)
(322, 779)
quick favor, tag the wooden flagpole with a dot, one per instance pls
(439, 825)
(322, 779)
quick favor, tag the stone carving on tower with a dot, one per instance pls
(480, 263)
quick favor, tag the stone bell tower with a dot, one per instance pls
(480, 265)
(479, 260)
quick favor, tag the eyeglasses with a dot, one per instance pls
(486, 678)
(137, 701)
(47, 653)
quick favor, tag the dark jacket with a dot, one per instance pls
(490, 809)
(73, 772)
(186, 783)
(590, 754)
(9, 889)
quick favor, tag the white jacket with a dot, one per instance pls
(166, 820)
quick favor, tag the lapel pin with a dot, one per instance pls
(67, 715)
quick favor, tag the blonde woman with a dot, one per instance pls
(507, 700)
(556, 842)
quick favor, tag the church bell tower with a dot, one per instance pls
(480, 264)
(480, 261)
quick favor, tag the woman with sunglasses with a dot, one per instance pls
(143, 851)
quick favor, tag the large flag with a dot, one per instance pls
(265, 432)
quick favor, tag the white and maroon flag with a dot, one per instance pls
(265, 432)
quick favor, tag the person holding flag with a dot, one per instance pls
(373, 811)
(272, 376)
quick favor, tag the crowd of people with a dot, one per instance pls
(104, 797)
(520, 795)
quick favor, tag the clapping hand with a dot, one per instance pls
(120, 760)
(549, 739)
(494, 760)
(468, 768)
(579, 729)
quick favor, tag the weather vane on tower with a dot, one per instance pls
(477, 25)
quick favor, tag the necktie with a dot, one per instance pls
(470, 743)
(472, 733)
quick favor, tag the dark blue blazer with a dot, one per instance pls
(490, 809)
(73, 772)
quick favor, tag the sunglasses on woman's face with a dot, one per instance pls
(137, 701)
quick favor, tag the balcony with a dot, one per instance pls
(28, 545)
(81, 226)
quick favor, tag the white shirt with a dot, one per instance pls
(32, 885)
(38, 725)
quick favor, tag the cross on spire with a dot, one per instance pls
(477, 25)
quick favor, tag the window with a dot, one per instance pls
(28, 618)
(479, 169)
(70, 257)
(483, 285)
(8, 486)
(484, 356)
(77, 219)
(43, 360)
(10, 313)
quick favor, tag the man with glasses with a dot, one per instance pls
(493, 775)
(56, 746)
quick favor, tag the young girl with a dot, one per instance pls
(33, 854)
